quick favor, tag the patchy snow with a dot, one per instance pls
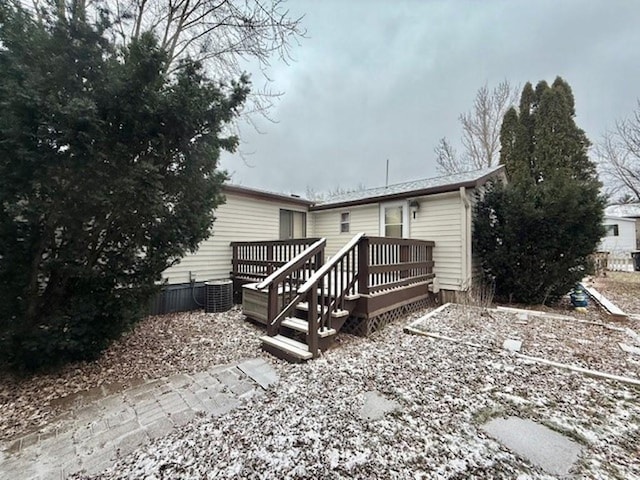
(158, 346)
(309, 425)
(586, 344)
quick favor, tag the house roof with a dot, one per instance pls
(427, 186)
(265, 194)
(618, 219)
(628, 210)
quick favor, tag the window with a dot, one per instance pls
(292, 224)
(611, 230)
(394, 220)
(345, 221)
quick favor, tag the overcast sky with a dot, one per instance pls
(378, 80)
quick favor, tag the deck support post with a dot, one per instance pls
(269, 259)
(272, 309)
(312, 339)
(363, 266)
(234, 261)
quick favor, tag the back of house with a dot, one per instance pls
(436, 209)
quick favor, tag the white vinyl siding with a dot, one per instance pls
(440, 218)
(241, 218)
(326, 223)
(620, 236)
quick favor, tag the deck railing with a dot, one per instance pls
(620, 261)
(257, 260)
(365, 265)
(326, 290)
(282, 285)
(393, 262)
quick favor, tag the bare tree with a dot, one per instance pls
(448, 159)
(221, 34)
(319, 196)
(480, 131)
(619, 157)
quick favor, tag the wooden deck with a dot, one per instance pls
(304, 301)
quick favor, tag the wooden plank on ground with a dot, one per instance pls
(613, 310)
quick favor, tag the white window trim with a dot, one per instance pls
(347, 223)
(405, 216)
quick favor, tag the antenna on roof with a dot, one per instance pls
(386, 183)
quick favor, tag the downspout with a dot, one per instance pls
(466, 234)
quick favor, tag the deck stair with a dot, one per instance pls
(306, 301)
(311, 314)
(300, 325)
(285, 347)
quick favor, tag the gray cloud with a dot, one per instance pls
(378, 80)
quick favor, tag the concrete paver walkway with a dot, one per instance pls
(92, 437)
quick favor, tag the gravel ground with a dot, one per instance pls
(563, 339)
(622, 288)
(309, 426)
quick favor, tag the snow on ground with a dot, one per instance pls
(622, 288)
(561, 338)
(310, 424)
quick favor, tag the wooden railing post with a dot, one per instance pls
(312, 339)
(272, 309)
(269, 259)
(234, 261)
(363, 266)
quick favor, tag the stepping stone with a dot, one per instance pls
(629, 349)
(376, 406)
(546, 448)
(260, 372)
(512, 345)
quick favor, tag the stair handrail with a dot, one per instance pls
(292, 264)
(322, 271)
(319, 315)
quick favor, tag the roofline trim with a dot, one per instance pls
(260, 194)
(411, 193)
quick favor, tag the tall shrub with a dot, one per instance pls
(534, 235)
(108, 175)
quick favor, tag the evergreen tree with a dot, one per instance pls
(535, 234)
(108, 175)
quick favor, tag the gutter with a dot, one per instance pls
(466, 238)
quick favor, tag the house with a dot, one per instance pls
(629, 211)
(434, 209)
(248, 215)
(620, 236)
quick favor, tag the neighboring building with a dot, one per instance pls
(629, 211)
(620, 237)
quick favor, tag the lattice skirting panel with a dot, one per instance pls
(364, 327)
